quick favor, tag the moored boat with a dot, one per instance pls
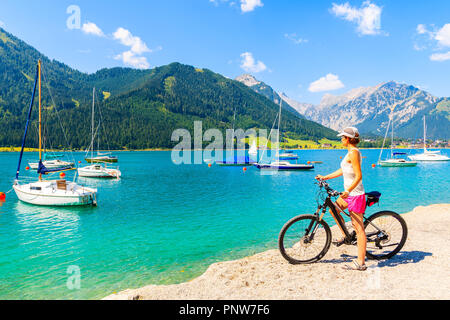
(49, 192)
(284, 165)
(428, 155)
(99, 171)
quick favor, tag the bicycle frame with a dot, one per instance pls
(349, 238)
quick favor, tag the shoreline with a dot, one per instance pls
(417, 272)
(30, 150)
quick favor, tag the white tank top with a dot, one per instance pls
(349, 176)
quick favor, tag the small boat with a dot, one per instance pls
(99, 169)
(102, 158)
(284, 165)
(397, 161)
(49, 192)
(289, 155)
(52, 164)
(236, 162)
(56, 193)
(428, 155)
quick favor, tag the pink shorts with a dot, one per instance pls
(357, 204)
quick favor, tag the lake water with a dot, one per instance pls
(164, 223)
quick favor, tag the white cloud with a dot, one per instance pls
(443, 36)
(328, 83)
(438, 38)
(294, 38)
(127, 39)
(2, 24)
(421, 29)
(250, 5)
(368, 17)
(249, 63)
(91, 28)
(440, 56)
(132, 57)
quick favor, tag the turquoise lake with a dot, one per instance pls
(164, 223)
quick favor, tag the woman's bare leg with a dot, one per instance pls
(358, 224)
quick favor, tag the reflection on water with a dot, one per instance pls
(29, 216)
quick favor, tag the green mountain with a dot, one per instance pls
(139, 108)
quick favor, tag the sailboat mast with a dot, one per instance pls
(92, 127)
(278, 134)
(40, 118)
(424, 135)
(392, 138)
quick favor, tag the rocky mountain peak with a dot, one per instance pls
(248, 80)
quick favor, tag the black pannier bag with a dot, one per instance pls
(372, 198)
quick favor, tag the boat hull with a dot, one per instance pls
(398, 164)
(50, 195)
(52, 164)
(225, 164)
(101, 160)
(103, 173)
(292, 167)
(435, 158)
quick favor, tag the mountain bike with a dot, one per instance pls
(306, 238)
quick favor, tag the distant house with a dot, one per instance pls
(326, 145)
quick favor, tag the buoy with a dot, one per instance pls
(373, 165)
(309, 162)
(79, 161)
(340, 157)
(62, 175)
(209, 165)
(245, 169)
(2, 196)
(27, 168)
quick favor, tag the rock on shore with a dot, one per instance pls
(419, 271)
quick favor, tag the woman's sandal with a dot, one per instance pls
(355, 266)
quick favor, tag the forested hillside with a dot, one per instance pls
(139, 108)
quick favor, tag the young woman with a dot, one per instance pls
(353, 197)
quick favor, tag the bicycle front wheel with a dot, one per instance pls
(386, 235)
(304, 239)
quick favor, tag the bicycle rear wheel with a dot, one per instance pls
(386, 235)
(304, 239)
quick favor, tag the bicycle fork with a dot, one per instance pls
(309, 235)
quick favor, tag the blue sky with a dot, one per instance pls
(303, 48)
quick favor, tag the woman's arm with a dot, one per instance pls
(333, 175)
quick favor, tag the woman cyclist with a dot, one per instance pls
(353, 197)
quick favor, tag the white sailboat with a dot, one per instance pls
(395, 160)
(52, 164)
(281, 165)
(97, 170)
(49, 192)
(428, 155)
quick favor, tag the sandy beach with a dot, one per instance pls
(419, 271)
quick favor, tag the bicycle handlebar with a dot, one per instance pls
(330, 191)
